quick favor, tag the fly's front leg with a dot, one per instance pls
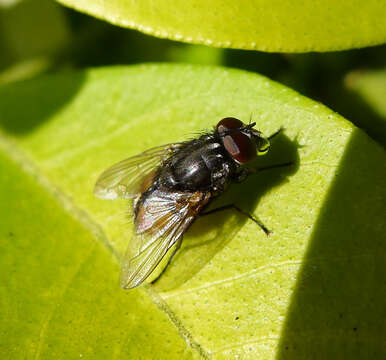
(275, 166)
(245, 172)
(277, 132)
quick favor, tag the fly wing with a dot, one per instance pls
(160, 222)
(124, 179)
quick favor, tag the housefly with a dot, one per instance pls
(171, 184)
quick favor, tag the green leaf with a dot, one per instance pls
(59, 295)
(371, 85)
(313, 289)
(26, 47)
(281, 26)
(370, 90)
(8, 3)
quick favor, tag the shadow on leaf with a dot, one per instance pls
(338, 308)
(41, 99)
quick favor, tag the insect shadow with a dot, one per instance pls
(209, 234)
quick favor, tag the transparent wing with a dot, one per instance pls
(124, 179)
(161, 221)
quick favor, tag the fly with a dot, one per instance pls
(171, 184)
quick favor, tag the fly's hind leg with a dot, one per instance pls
(240, 177)
(241, 211)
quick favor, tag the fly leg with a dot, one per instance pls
(275, 166)
(178, 245)
(241, 176)
(245, 172)
(270, 137)
(241, 211)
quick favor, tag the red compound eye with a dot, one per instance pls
(239, 145)
(229, 123)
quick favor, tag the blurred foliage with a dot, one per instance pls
(273, 26)
(31, 32)
(367, 91)
(80, 41)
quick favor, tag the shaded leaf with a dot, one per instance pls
(369, 91)
(371, 85)
(31, 33)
